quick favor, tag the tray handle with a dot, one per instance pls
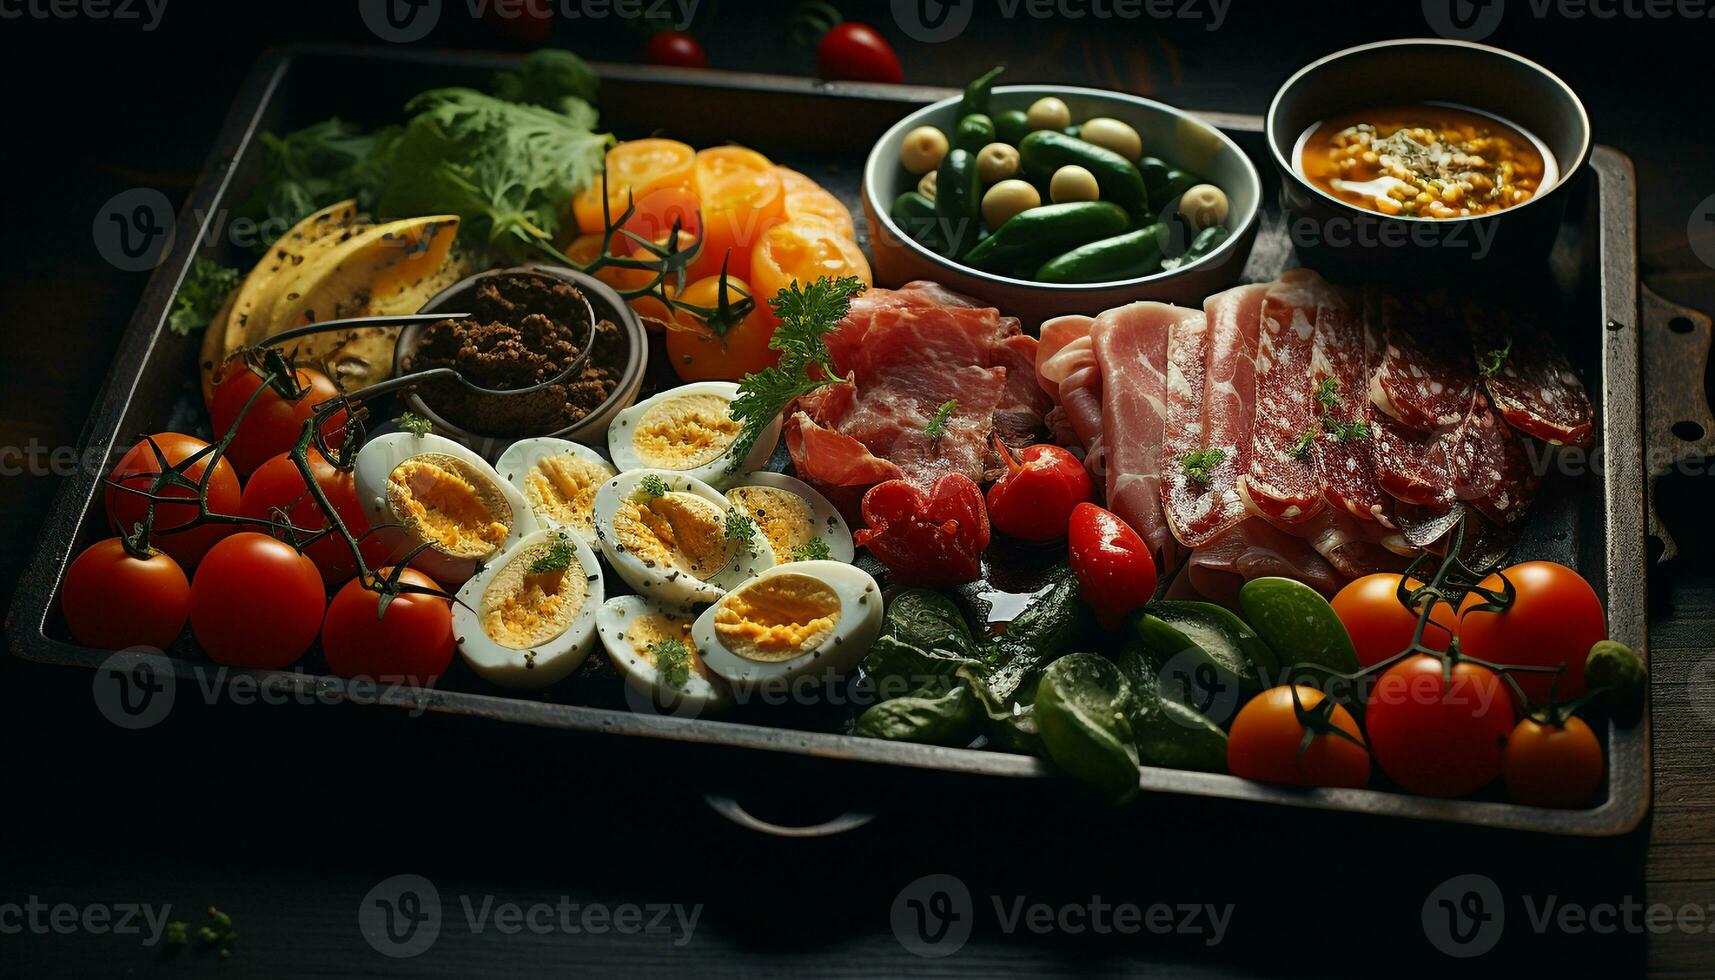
(731, 809)
(1678, 425)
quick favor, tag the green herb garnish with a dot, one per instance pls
(559, 558)
(415, 424)
(814, 549)
(653, 486)
(1490, 364)
(201, 296)
(1328, 392)
(740, 528)
(1301, 448)
(1198, 464)
(1356, 429)
(937, 426)
(807, 314)
(216, 932)
(672, 662)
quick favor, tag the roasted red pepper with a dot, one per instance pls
(927, 538)
(1035, 498)
(1114, 567)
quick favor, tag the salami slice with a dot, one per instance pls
(1339, 371)
(1281, 481)
(1528, 377)
(1426, 376)
(1490, 466)
(1412, 466)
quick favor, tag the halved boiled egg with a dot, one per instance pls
(427, 488)
(558, 479)
(798, 618)
(529, 619)
(650, 643)
(676, 539)
(689, 430)
(792, 516)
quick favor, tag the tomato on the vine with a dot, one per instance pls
(674, 49)
(1439, 735)
(273, 423)
(278, 486)
(1553, 765)
(411, 643)
(113, 599)
(1554, 620)
(857, 52)
(697, 353)
(139, 468)
(1267, 741)
(1380, 625)
(256, 602)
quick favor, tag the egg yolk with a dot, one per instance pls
(783, 517)
(522, 610)
(679, 433)
(679, 531)
(778, 618)
(434, 496)
(562, 489)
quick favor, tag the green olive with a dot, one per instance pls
(926, 186)
(1113, 135)
(923, 149)
(1203, 206)
(1007, 198)
(996, 162)
(1048, 113)
(1073, 183)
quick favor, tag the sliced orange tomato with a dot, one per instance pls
(697, 353)
(803, 250)
(807, 199)
(742, 198)
(654, 215)
(584, 249)
(634, 168)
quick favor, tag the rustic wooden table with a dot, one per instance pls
(287, 817)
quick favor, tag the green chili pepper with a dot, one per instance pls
(1207, 241)
(958, 201)
(1045, 151)
(1128, 256)
(974, 132)
(915, 215)
(976, 98)
(1044, 231)
(1163, 181)
(1011, 126)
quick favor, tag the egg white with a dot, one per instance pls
(672, 585)
(545, 663)
(521, 457)
(826, 521)
(718, 471)
(860, 623)
(650, 690)
(383, 454)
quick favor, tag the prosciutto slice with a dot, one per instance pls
(1426, 376)
(1252, 549)
(1280, 481)
(1532, 383)
(1130, 343)
(1067, 370)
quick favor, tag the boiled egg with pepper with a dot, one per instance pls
(676, 539)
(422, 490)
(798, 522)
(558, 479)
(650, 644)
(689, 430)
(799, 618)
(529, 618)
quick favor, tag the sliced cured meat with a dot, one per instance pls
(1424, 524)
(1252, 549)
(1426, 376)
(1339, 375)
(1067, 370)
(1131, 346)
(1280, 480)
(1412, 466)
(1528, 377)
(1490, 467)
(1354, 547)
(1211, 390)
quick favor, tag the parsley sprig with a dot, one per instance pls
(1199, 464)
(653, 486)
(557, 558)
(672, 662)
(937, 426)
(814, 549)
(741, 529)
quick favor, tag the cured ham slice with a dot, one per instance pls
(1339, 374)
(1252, 549)
(1354, 547)
(1426, 377)
(1210, 393)
(1067, 370)
(1531, 382)
(1131, 346)
(1280, 480)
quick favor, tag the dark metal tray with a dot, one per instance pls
(1594, 519)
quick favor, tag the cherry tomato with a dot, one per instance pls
(113, 600)
(1555, 619)
(1435, 737)
(256, 602)
(635, 168)
(1553, 765)
(411, 643)
(742, 198)
(807, 199)
(932, 538)
(803, 250)
(139, 467)
(697, 354)
(1114, 566)
(277, 485)
(857, 53)
(1034, 498)
(273, 423)
(1267, 741)
(652, 219)
(1380, 625)
(674, 49)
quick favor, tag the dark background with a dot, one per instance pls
(285, 815)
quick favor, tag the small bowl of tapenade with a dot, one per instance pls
(565, 349)
(1425, 158)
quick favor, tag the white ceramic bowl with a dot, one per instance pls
(1177, 137)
